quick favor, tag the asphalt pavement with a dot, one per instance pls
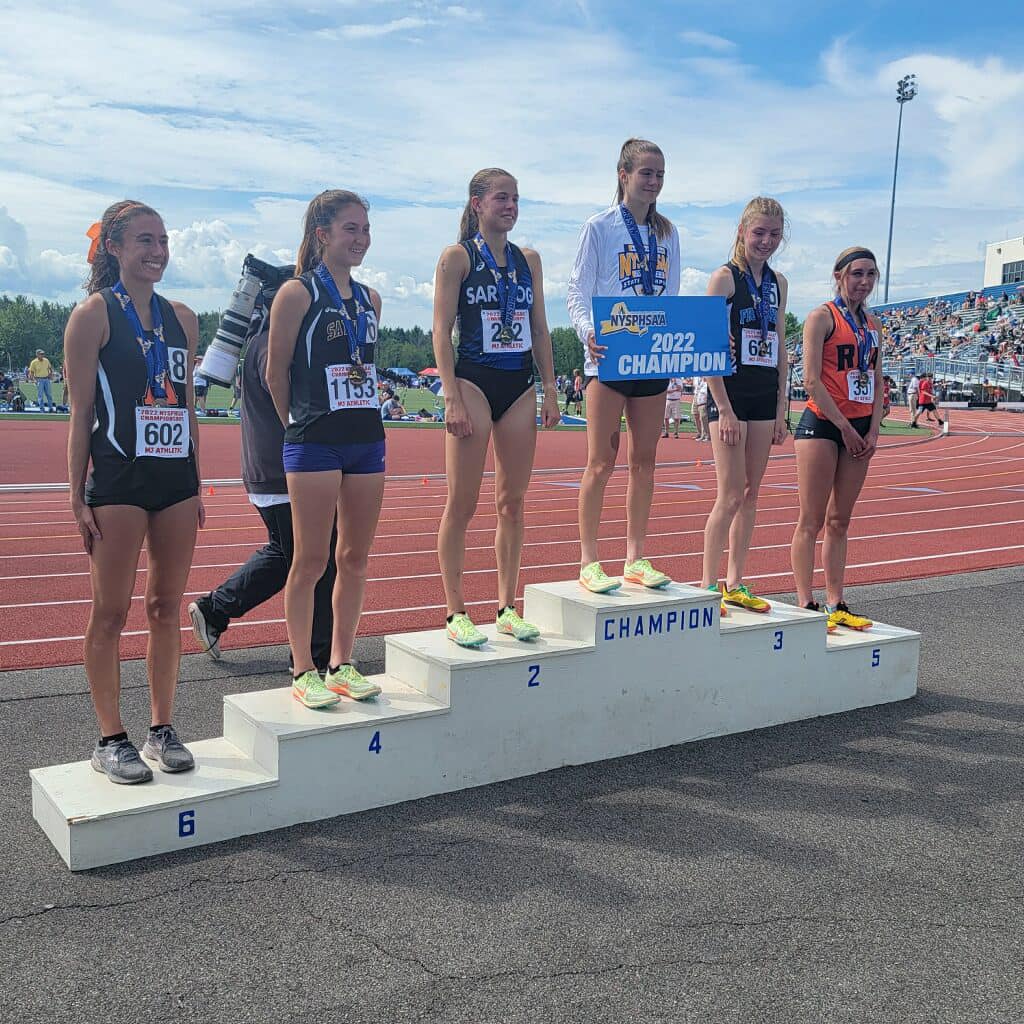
(864, 867)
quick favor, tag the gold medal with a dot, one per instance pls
(505, 336)
(357, 373)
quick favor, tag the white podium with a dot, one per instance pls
(612, 674)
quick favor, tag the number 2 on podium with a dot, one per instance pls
(534, 677)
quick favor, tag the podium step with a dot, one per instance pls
(611, 675)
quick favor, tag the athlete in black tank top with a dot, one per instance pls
(128, 355)
(746, 411)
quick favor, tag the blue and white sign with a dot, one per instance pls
(651, 337)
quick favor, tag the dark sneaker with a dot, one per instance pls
(203, 630)
(164, 747)
(120, 762)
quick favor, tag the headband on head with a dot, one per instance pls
(94, 234)
(857, 254)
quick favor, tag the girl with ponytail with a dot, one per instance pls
(323, 379)
(628, 249)
(128, 355)
(747, 411)
(492, 292)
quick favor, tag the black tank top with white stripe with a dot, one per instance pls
(121, 381)
(323, 343)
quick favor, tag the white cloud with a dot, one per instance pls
(709, 41)
(385, 28)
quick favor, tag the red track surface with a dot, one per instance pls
(971, 517)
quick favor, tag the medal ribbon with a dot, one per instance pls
(762, 297)
(355, 330)
(861, 333)
(507, 286)
(155, 351)
(648, 256)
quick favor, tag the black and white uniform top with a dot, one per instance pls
(479, 317)
(755, 354)
(326, 407)
(137, 442)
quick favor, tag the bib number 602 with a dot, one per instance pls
(673, 341)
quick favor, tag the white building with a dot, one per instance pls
(1004, 262)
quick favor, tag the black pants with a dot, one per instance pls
(264, 575)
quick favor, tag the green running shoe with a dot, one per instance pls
(463, 632)
(350, 682)
(510, 622)
(641, 571)
(596, 580)
(309, 689)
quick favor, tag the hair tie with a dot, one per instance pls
(857, 254)
(94, 234)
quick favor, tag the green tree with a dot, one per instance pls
(568, 352)
(24, 327)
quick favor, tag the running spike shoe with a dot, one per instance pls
(813, 606)
(842, 616)
(309, 689)
(743, 598)
(723, 611)
(463, 632)
(510, 622)
(350, 682)
(596, 580)
(641, 571)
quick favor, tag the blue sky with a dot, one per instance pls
(230, 116)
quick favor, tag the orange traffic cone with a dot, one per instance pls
(698, 463)
(424, 481)
(210, 490)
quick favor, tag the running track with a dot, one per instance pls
(947, 505)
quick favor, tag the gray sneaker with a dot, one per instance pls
(206, 636)
(164, 747)
(120, 762)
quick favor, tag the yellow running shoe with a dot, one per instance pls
(510, 622)
(596, 580)
(463, 632)
(743, 598)
(813, 606)
(309, 689)
(350, 682)
(641, 571)
(842, 616)
(723, 611)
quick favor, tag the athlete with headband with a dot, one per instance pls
(838, 432)
(494, 292)
(746, 411)
(322, 378)
(128, 360)
(629, 249)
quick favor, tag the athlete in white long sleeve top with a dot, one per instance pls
(607, 265)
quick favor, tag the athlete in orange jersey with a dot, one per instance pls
(838, 432)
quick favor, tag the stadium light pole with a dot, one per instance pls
(906, 90)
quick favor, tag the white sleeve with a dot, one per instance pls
(583, 283)
(672, 285)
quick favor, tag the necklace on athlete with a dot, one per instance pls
(154, 351)
(862, 332)
(355, 330)
(649, 256)
(507, 286)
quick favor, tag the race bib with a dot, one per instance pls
(861, 387)
(521, 341)
(161, 432)
(756, 350)
(344, 393)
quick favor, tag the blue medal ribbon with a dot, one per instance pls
(761, 297)
(507, 286)
(155, 351)
(648, 256)
(355, 331)
(861, 332)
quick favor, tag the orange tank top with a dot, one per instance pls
(854, 395)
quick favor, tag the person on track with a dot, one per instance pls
(913, 390)
(493, 291)
(926, 401)
(322, 378)
(128, 353)
(266, 570)
(673, 398)
(838, 432)
(746, 411)
(628, 249)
